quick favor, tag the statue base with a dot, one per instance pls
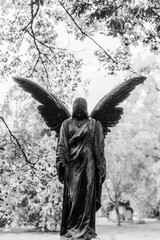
(70, 238)
(73, 238)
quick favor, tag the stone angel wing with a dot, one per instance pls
(106, 110)
(51, 109)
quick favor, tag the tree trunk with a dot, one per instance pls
(117, 212)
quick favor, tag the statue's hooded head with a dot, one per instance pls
(80, 109)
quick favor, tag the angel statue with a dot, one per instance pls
(80, 159)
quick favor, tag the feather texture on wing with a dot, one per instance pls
(106, 110)
(52, 109)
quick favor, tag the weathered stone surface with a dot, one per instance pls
(64, 238)
(71, 238)
(77, 238)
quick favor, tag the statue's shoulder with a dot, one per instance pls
(68, 121)
(94, 121)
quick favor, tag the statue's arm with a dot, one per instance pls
(100, 162)
(99, 152)
(62, 152)
(102, 147)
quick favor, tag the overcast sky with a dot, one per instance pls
(100, 83)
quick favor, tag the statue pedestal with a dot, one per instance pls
(71, 238)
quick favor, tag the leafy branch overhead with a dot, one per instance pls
(132, 22)
(29, 40)
(28, 31)
(121, 18)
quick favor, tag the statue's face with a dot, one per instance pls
(80, 108)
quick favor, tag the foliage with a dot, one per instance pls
(29, 188)
(131, 22)
(132, 153)
(29, 37)
(30, 191)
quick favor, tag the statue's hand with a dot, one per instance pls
(60, 164)
(103, 174)
(61, 170)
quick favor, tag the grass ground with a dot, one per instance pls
(106, 231)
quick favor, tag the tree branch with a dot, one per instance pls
(32, 165)
(18, 143)
(109, 195)
(33, 15)
(132, 71)
(83, 33)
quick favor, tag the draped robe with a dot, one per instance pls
(81, 148)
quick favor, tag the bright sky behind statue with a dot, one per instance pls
(100, 82)
(91, 70)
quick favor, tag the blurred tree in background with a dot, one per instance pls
(30, 192)
(133, 154)
(131, 22)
